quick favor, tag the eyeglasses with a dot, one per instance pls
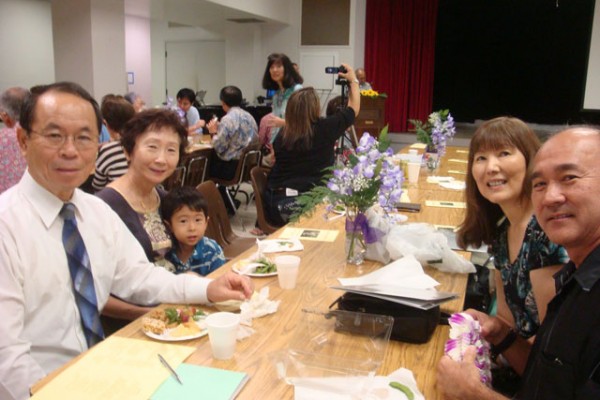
(56, 140)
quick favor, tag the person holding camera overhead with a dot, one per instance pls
(304, 147)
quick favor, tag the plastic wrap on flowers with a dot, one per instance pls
(465, 331)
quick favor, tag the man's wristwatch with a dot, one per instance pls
(497, 349)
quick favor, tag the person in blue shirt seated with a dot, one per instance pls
(185, 101)
(185, 213)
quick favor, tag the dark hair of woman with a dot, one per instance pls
(290, 78)
(153, 119)
(482, 216)
(302, 112)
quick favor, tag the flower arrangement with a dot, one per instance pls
(369, 177)
(436, 131)
(372, 93)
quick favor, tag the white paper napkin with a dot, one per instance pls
(356, 387)
(406, 272)
(258, 306)
(439, 179)
(454, 185)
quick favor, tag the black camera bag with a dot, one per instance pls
(411, 324)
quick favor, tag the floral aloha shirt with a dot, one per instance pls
(537, 251)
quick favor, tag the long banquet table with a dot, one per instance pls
(322, 263)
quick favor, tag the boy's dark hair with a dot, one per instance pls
(231, 95)
(182, 196)
(186, 93)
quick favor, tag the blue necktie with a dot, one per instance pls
(81, 275)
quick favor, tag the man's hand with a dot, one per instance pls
(461, 381)
(230, 286)
(493, 329)
(212, 126)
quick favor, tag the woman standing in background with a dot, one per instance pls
(280, 75)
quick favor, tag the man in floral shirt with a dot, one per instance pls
(236, 131)
(12, 163)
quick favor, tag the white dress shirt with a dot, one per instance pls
(40, 327)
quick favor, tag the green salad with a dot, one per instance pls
(266, 266)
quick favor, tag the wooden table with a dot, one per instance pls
(322, 263)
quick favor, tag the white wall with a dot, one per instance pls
(108, 43)
(89, 44)
(138, 52)
(26, 45)
(160, 34)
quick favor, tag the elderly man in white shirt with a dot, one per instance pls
(41, 325)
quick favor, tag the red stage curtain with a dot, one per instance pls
(399, 57)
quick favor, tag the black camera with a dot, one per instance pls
(335, 70)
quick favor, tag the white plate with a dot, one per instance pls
(252, 266)
(280, 245)
(166, 336)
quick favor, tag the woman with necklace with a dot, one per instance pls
(500, 214)
(280, 75)
(153, 141)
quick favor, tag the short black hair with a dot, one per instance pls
(290, 76)
(28, 110)
(154, 118)
(186, 93)
(231, 95)
(182, 196)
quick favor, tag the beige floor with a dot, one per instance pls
(244, 219)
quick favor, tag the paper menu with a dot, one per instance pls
(117, 368)
(319, 235)
(202, 383)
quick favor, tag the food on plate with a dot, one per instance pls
(266, 266)
(285, 243)
(159, 321)
(153, 325)
(185, 329)
(339, 208)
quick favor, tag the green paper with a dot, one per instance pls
(201, 383)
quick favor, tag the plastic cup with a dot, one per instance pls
(413, 172)
(287, 270)
(222, 333)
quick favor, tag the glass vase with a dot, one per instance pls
(432, 162)
(355, 242)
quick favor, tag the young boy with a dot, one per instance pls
(185, 99)
(185, 213)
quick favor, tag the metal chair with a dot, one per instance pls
(219, 226)
(200, 97)
(259, 183)
(196, 171)
(250, 158)
(177, 179)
